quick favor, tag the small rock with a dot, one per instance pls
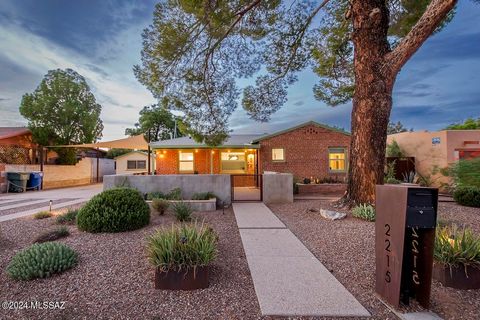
(332, 215)
(312, 210)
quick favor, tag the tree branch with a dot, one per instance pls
(433, 16)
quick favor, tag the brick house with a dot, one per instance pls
(310, 149)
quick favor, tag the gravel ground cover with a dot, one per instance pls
(346, 248)
(114, 280)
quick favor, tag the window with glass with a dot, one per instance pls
(233, 162)
(336, 159)
(185, 163)
(136, 164)
(278, 154)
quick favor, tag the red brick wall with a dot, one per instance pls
(306, 151)
(167, 161)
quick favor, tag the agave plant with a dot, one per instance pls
(409, 177)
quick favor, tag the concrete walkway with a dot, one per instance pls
(16, 205)
(288, 279)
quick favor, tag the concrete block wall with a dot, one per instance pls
(190, 184)
(278, 188)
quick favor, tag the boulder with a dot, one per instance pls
(332, 215)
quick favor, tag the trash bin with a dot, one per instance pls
(17, 181)
(35, 181)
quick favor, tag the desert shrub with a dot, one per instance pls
(466, 172)
(364, 211)
(52, 235)
(67, 217)
(160, 205)
(467, 196)
(114, 210)
(457, 246)
(155, 195)
(41, 260)
(183, 212)
(182, 247)
(42, 215)
(390, 173)
(203, 196)
(394, 150)
(174, 194)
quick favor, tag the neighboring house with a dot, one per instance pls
(437, 150)
(16, 146)
(135, 162)
(307, 150)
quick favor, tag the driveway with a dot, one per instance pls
(15, 205)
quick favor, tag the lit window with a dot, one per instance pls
(278, 154)
(336, 159)
(185, 163)
(233, 162)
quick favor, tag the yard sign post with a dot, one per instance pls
(404, 240)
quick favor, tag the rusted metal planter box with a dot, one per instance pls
(322, 188)
(191, 279)
(457, 278)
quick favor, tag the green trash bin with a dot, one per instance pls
(17, 181)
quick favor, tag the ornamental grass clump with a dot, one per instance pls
(52, 235)
(364, 211)
(182, 247)
(160, 205)
(183, 212)
(114, 210)
(41, 261)
(42, 215)
(68, 217)
(457, 247)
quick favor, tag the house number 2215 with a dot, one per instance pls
(388, 276)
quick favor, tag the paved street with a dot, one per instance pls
(15, 205)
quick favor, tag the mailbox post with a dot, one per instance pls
(405, 224)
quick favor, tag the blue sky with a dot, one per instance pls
(102, 41)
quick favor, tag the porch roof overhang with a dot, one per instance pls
(244, 141)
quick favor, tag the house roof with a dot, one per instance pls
(128, 153)
(324, 126)
(8, 132)
(233, 141)
(133, 142)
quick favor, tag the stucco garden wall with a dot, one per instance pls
(59, 176)
(278, 188)
(219, 184)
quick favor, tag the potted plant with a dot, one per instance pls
(181, 256)
(457, 258)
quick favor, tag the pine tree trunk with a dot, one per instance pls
(372, 101)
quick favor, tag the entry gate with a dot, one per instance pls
(247, 187)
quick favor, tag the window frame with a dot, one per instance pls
(136, 164)
(187, 161)
(344, 159)
(283, 153)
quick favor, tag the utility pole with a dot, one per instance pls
(148, 153)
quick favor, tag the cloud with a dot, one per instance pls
(119, 94)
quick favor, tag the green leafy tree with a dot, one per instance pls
(157, 122)
(195, 50)
(61, 111)
(396, 128)
(469, 124)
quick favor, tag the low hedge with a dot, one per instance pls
(114, 210)
(467, 196)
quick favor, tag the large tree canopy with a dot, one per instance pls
(62, 110)
(194, 51)
(468, 124)
(157, 123)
